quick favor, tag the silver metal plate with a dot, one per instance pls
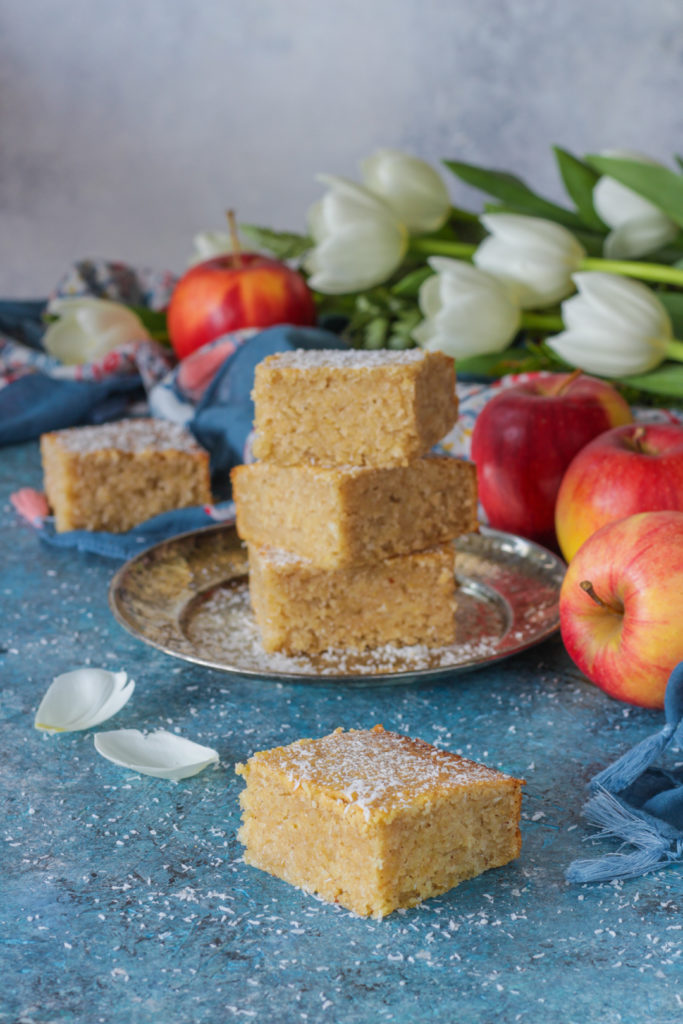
(189, 597)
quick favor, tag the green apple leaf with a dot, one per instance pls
(579, 180)
(285, 245)
(661, 186)
(513, 192)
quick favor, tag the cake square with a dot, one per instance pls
(374, 820)
(337, 516)
(342, 407)
(115, 475)
(300, 608)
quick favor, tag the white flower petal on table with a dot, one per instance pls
(163, 754)
(82, 699)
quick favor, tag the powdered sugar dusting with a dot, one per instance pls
(131, 435)
(376, 770)
(354, 359)
(223, 628)
(190, 597)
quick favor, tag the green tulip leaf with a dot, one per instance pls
(154, 320)
(673, 303)
(409, 286)
(579, 180)
(667, 380)
(284, 245)
(513, 192)
(661, 186)
(375, 334)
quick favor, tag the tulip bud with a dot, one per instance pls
(535, 256)
(87, 329)
(614, 327)
(208, 244)
(412, 188)
(638, 226)
(359, 242)
(467, 311)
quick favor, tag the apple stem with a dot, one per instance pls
(590, 590)
(234, 238)
(560, 388)
(636, 440)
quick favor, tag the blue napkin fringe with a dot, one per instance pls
(656, 844)
(639, 804)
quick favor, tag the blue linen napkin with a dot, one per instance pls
(223, 418)
(35, 399)
(640, 803)
(122, 546)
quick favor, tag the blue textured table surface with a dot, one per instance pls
(124, 898)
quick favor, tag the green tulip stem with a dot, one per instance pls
(631, 268)
(550, 322)
(442, 247)
(674, 349)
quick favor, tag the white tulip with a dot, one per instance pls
(359, 242)
(614, 327)
(88, 329)
(638, 226)
(412, 188)
(208, 244)
(467, 311)
(536, 256)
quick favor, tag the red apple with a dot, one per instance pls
(636, 468)
(621, 606)
(525, 437)
(232, 291)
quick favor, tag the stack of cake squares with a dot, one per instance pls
(348, 520)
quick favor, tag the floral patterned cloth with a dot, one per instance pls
(209, 391)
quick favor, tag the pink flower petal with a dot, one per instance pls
(30, 504)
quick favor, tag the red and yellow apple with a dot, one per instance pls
(234, 291)
(621, 606)
(636, 468)
(525, 437)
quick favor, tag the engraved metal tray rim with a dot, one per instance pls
(163, 596)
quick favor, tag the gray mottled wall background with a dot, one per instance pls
(127, 126)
